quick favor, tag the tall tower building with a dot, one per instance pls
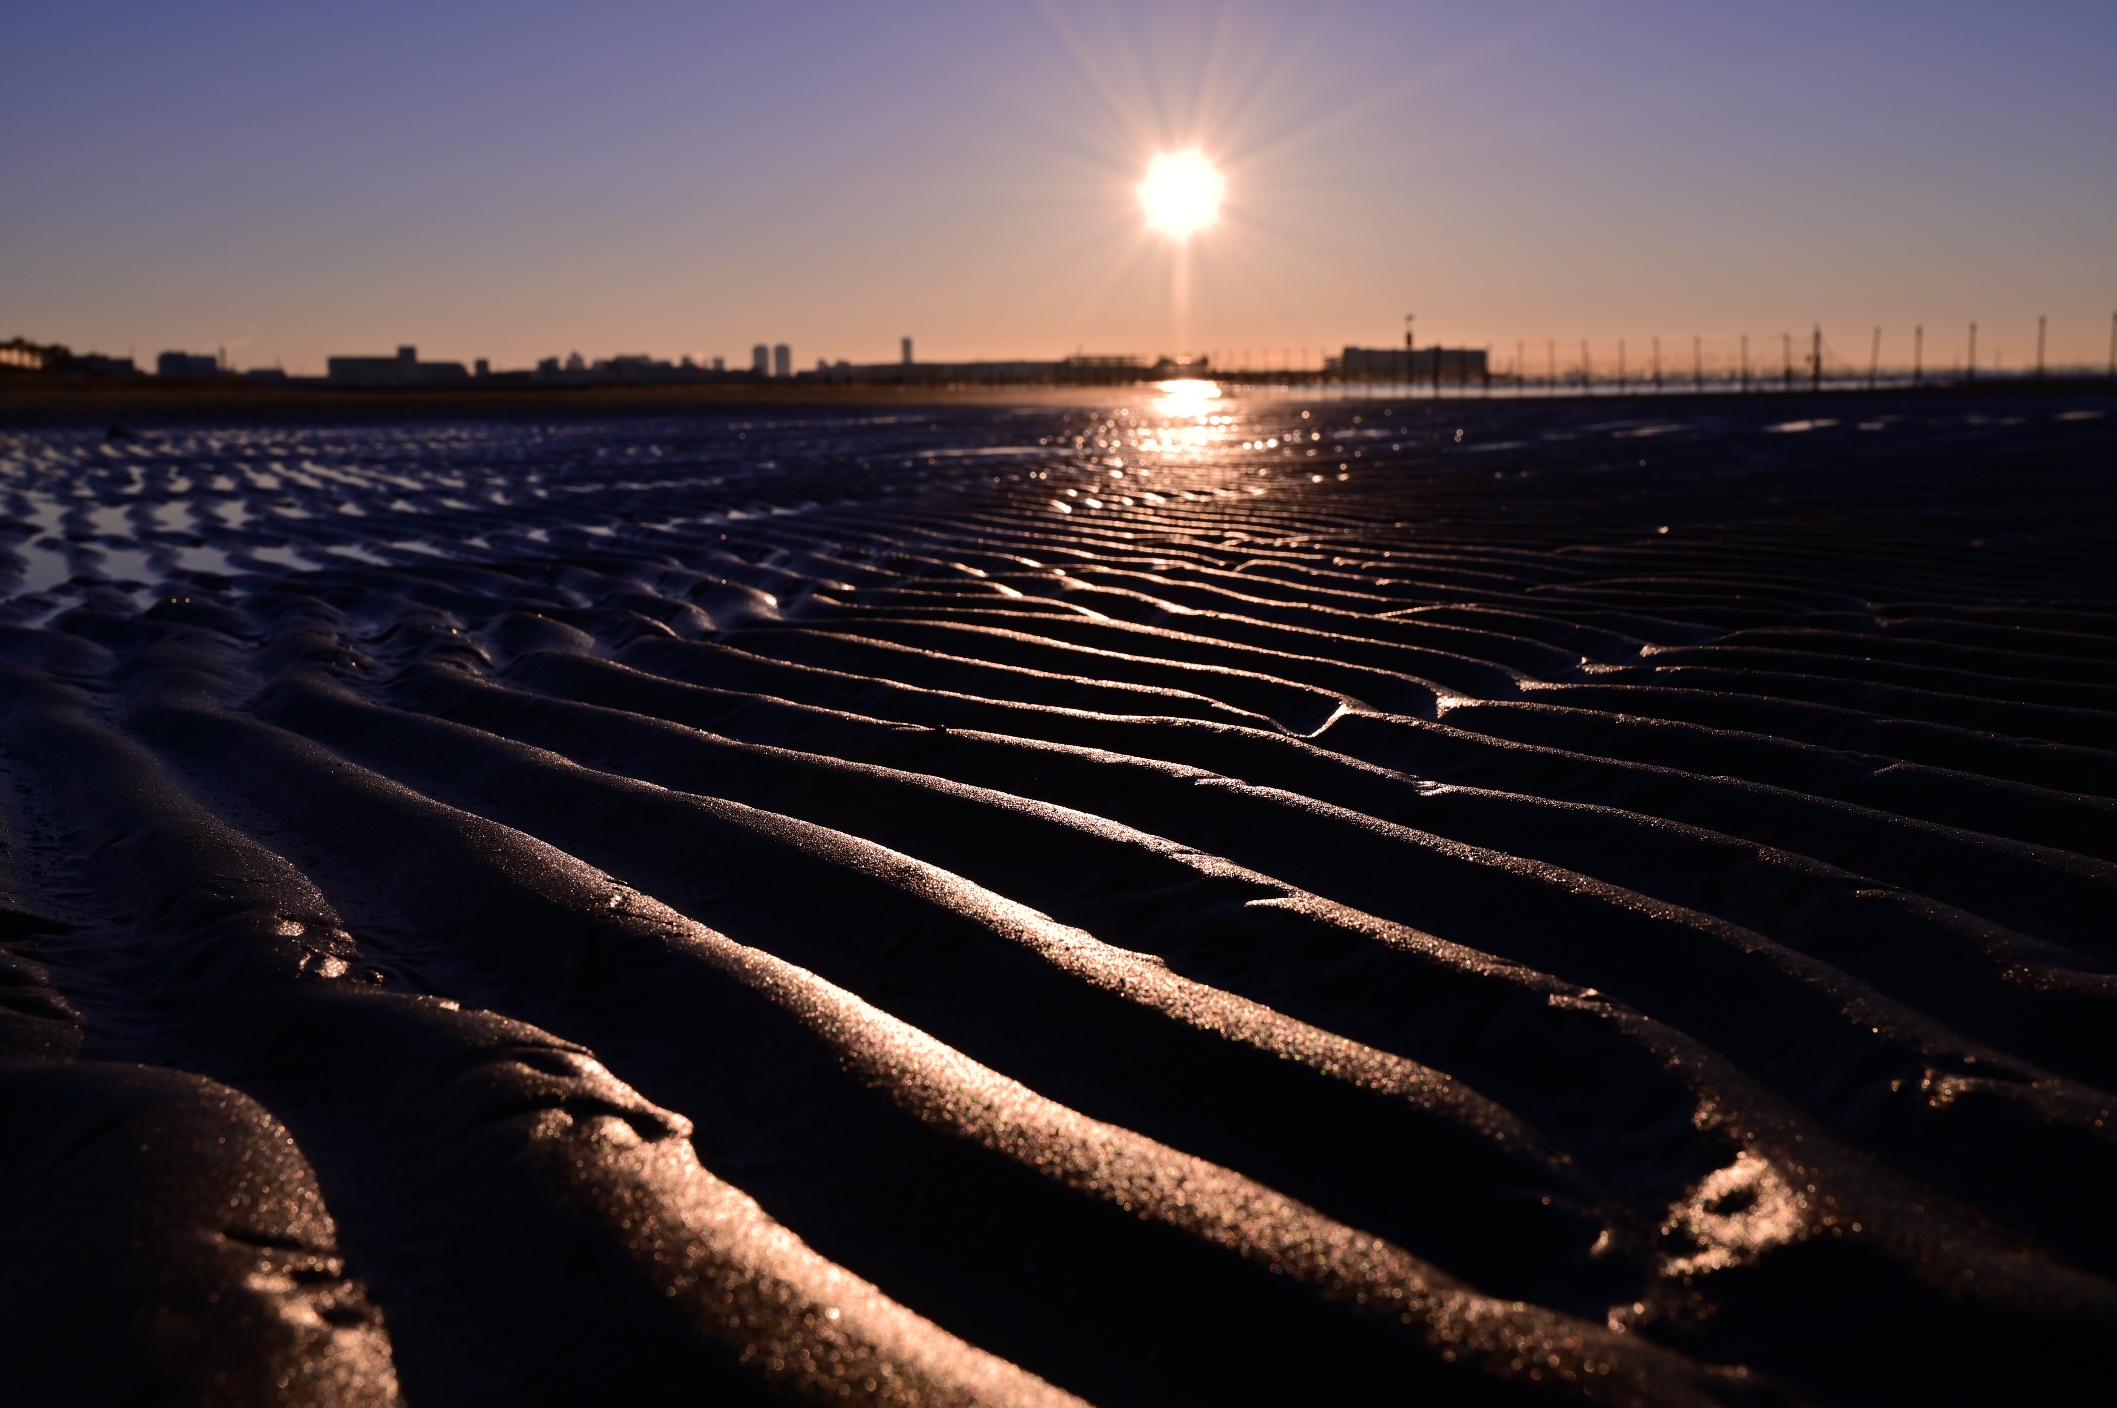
(907, 351)
(761, 360)
(782, 360)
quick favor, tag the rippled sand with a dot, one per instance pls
(1172, 902)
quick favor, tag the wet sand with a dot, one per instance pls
(1032, 900)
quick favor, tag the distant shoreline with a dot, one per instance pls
(44, 401)
(30, 400)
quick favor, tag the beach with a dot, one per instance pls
(1135, 897)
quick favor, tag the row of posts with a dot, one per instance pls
(1812, 363)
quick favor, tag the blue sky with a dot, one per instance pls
(528, 179)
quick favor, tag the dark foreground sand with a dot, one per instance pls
(982, 904)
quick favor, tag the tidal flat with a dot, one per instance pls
(1128, 898)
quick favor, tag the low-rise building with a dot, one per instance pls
(187, 364)
(22, 355)
(1066, 371)
(404, 369)
(1456, 364)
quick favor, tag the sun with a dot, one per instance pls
(1181, 194)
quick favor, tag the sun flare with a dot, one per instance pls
(1181, 194)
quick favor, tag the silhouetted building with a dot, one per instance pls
(639, 367)
(20, 354)
(1459, 364)
(626, 368)
(761, 360)
(1102, 370)
(187, 364)
(907, 351)
(1070, 371)
(782, 360)
(404, 369)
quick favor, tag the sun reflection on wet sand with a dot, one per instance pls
(1186, 399)
(1734, 1215)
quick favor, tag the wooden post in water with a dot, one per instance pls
(1874, 361)
(2039, 346)
(1815, 360)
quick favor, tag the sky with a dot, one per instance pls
(292, 180)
